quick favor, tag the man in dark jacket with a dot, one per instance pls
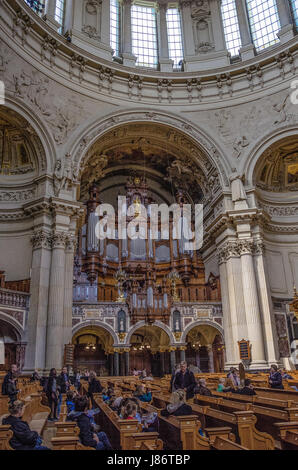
(88, 438)
(9, 385)
(23, 438)
(185, 380)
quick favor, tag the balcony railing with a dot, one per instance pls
(12, 298)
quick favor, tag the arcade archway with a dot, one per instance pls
(205, 349)
(150, 346)
(10, 346)
(93, 350)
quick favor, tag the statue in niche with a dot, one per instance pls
(121, 322)
(64, 174)
(238, 191)
(177, 320)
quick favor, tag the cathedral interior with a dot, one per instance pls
(161, 103)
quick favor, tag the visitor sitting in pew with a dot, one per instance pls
(185, 380)
(202, 389)
(131, 409)
(10, 382)
(108, 394)
(285, 375)
(70, 401)
(88, 437)
(23, 438)
(142, 394)
(275, 378)
(221, 387)
(177, 407)
(248, 389)
(233, 375)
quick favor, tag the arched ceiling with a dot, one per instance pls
(20, 147)
(104, 337)
(277, 169)
(155, 336)
(168, 158)
(204, 333)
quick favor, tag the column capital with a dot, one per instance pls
(41, 239)
(246, 247)
(59, 240)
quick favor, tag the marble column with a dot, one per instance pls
(235, 326)
(126, 355)
(210, 358)
(162, 364)
(182, 355)
(247, 50)
(172, 360)
(55, 327)
(227, 324)
(268, 321)
(111, 368)
(286, 21)
(166, 64)
(36, 328)
(252, 309)
(49, 16)
(187, 31)
(68, 289)
(128, 58)
(116, 363)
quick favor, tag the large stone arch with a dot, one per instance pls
(47, 146)
(249, 164)
(201, 323)
(212, 153)
(96, 323)
(14, 323)
(140, 324)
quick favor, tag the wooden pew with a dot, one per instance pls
(182, 432)
(120, 431)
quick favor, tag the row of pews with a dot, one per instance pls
(35, 413)
(267, 421)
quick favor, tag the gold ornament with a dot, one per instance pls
(177, 335)
(294, 304)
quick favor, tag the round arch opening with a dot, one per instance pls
(92, 348)
(9, 346)
(205, 349)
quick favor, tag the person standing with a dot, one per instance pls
(185, 380)
(52, 394)
(9, 385)
(63, 387)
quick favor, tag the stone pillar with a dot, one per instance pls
(36, 328)
(55, 324)
(182, 354)
(187, 32)
(162, 364)
(128, 58)
(68, 289)
(234, 319)
(227, 324)
(172, 360)
(127, 366)
(97, 40)
(116, 363)
(286, 21)
(268, 322)
(247, 50)
(252, 309)
(49, 16)
(111, 368)
(210, 358)
(105, 23)
(166, 64)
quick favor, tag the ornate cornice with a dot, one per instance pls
(39, 41)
